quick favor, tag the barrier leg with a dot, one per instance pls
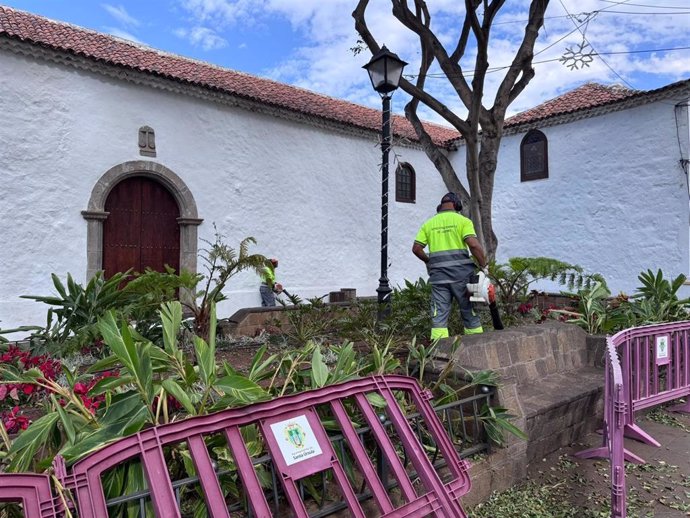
(633, 431)
(603, 453)
(683, 407)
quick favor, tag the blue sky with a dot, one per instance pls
(307, 42)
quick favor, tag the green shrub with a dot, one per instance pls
(656, 301)
(514, 279)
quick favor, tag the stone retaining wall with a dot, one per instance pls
(548, 380)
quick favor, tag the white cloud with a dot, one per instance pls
(121, 15)
(119, 33)
(202, 37)
(223, 12)
(324, 62)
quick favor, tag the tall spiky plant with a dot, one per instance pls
(221, 262)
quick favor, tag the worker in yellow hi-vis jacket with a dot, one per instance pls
(450, 237)
(269, 287)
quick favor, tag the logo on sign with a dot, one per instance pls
(296, 439)
(295, 435)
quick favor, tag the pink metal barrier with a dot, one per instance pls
(293, 430)
(645, 366)
(655, 360)
(615, 412)
(32, 492)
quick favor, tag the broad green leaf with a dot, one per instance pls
(99, 438)
(135, 481)
(176, 391)
(104, 364)
(122, 405)
(69, 375)
(319, 369)
(25, 447)
(171, 318)
(377, 400)
(205, 360)
(242, 389)
(113, 481)
(109, 383)
(135, 422)
(65, 419)
(111, 336)
(144, 370)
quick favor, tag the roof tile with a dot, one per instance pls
(93, 45)
(588, 95)
(114, 51)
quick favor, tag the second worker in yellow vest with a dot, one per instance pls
(451, 238)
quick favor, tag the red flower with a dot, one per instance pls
(13, 421)
(525, 308)
(80, 389)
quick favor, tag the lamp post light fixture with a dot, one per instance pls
(385, 70)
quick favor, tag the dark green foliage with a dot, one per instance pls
(71, 322)
(311, 320)
(513, 280)
(221, 262)
(411, 314)
(656, 301)
(72, 319)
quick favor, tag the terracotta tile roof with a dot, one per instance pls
(108, 49)
(589, 95)
(114, 51)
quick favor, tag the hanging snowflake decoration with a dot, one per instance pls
(579, 58)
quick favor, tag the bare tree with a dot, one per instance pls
(483, 128)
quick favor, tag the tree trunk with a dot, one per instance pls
(488, 159)
(483, 127)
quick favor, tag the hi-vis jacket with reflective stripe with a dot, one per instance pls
(268, 276)
(449, 258)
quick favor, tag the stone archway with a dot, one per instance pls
(95, 213)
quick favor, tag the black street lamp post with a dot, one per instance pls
(385, 70)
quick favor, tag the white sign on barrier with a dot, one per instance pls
(662, 350)
(296, 439)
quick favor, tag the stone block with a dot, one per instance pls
(596, 350)
(547, 382)
(542, 367)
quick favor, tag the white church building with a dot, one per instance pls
(114, 155)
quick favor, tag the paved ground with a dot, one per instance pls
(659, 489)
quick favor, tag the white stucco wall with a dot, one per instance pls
(309, 196)
(615, 202)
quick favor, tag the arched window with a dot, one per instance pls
(405, 185)
(534, 156)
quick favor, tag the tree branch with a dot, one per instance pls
(439, 159)
(452, 69)
(522, 63)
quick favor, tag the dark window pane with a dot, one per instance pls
(534, 163)
(405, 183)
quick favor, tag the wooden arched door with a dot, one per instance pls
(141, 229)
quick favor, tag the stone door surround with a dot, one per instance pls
(95, 213)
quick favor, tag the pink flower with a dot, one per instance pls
(80, 389)
(13, 421)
